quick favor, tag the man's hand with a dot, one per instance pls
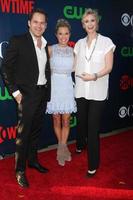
(19, 98)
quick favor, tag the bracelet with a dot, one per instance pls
(96, 77)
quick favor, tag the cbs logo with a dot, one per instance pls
(126, 111)
(126, 19)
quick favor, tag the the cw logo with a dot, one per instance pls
(73, 12)
(4, 94)
(127, 51)
(73, 121)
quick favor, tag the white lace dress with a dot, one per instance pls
(62, 90)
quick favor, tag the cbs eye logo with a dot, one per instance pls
(3, 46)
(126, 111)
(126, 19)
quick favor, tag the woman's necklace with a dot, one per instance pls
(88, 59)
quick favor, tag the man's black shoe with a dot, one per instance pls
(38, 167)
(21, 179)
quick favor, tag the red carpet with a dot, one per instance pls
(113, 181)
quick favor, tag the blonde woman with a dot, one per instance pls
(62, 102)
(93, 63)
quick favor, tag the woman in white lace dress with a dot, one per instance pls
(62, 102)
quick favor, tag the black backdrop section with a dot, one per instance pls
(116, 22)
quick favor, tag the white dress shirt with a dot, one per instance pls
(42, 59)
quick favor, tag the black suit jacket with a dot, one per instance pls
(20, 65)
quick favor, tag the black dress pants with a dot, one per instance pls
(89, 114)
(30, 116)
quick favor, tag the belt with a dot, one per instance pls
(40, 86)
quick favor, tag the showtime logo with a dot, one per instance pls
(126, 111)
(17, 6)
(7, 133)
(126, 19)
(126, 82)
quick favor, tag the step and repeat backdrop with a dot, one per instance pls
(116, 22)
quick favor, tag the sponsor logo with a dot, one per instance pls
(4, 94)
(17, 6)
(127, 51)
(73, 121)
(126, 19)
(7, 133)
(3, 46)
(126, 82)
(74, 12)
(126, 111)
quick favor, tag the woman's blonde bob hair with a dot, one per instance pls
(90, 11)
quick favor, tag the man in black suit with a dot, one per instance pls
(26, 72)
